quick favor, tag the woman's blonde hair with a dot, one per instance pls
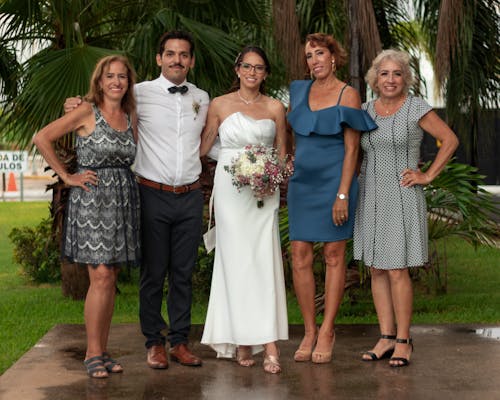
(95, 94)
(399, 57)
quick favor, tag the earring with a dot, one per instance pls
(311, 74)
(334, 67)
(238, 76)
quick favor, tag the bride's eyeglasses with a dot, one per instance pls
(259, 68)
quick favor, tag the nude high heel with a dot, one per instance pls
(323, 357)
(303, 354)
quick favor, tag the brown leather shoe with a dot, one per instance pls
(157, 357)
(181, 354)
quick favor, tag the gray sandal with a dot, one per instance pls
(110, 363)
(94, 366)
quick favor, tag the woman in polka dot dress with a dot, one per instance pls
(390, 232)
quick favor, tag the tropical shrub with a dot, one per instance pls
(37, 252)
(202, 274)
(457, 206)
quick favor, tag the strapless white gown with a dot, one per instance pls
(247, 304)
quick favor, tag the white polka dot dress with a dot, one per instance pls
(390, 229)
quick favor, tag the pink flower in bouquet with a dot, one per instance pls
(259, 167)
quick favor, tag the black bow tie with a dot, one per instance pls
(181, 89)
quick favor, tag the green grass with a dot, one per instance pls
(28, 311)
(472, 296)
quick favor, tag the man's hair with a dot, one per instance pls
(176, 35)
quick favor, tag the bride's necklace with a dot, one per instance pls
(247, 102)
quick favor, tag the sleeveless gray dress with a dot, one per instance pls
(102, 225)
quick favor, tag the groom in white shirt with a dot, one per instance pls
(171, 114)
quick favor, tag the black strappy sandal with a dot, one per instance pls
(403, 361)
(373, 356)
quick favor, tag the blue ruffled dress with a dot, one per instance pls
(319, 156)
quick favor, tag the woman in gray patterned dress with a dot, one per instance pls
(390, 232)
(102, 218)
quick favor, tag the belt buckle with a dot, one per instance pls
(180, 189)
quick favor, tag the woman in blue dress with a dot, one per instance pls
(326, 119)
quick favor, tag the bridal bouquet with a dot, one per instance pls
(259, 167)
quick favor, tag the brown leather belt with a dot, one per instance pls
(167, 188)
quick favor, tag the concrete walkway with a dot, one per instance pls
(449, 362)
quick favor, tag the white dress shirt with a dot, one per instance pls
(169, 127)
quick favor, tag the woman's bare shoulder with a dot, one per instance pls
(350, 97)
(273, 103)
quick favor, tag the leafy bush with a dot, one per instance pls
(37, 252)
(456, 206)
(202, 274)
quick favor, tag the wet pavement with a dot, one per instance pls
(449, 362)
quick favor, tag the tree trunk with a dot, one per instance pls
(354, 48)
(74, 277)
(287, 36)
(75, 280)
(365, 42)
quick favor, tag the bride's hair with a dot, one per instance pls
(239, 59)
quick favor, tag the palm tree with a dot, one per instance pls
(466, 60)
(364, 41)
(72, 36)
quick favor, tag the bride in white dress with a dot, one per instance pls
(247, 306)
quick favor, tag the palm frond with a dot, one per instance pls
(50, 77)
(9, 68)
(457, 206)
(216, 72)
(215, 50)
